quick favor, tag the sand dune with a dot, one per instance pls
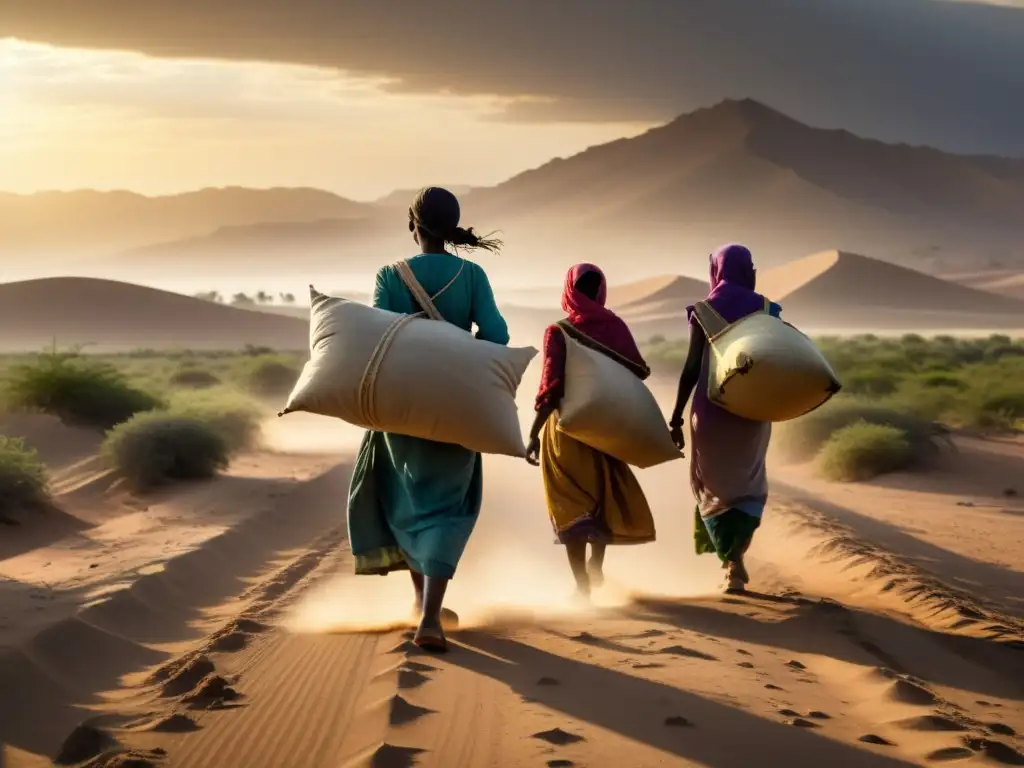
(217, 625)
(1009, 282)
(108, 315)
(844, 290)
(835, 291)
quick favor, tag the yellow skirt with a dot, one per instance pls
(591, 495)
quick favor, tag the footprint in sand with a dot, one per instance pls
(390, 756)
(679, 650)
(213, 692)
(402, 712)
(409, 648)
(1001, 728)
(773, 687)
(84, 743)
(560, 763)
(949, 754)
(558, 737)
(817, 714)
(800, 722)
(745, 665)
(996, 751)
(909, 692)
(874, 738)
(678, 722)
(181, 675)
(409, 679)
(933, 722)
(176, 723)
(794, 664)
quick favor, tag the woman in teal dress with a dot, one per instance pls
(413, 503)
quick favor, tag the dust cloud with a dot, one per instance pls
(513, 570)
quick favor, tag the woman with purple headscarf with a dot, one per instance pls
(727, 461)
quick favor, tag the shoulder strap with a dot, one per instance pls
(574, 333)
(419, 294)
(712, 322)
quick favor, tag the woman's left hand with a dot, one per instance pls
(676, 430)
(533, 452)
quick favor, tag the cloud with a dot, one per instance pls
(945, 73)
(121, 119)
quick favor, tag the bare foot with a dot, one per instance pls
(430, 637)
(734, 586)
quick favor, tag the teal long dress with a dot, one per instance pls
(413, 503)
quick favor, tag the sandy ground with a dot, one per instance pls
(217, 625)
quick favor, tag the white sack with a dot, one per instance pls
(607, 407)
(763, 368)
(435, 381)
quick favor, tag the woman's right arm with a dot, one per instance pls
(687, 381)
(551, 390)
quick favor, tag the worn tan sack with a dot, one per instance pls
(762, 368)
(607, 407)
(410, 375)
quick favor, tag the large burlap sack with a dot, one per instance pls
(410, 375)
(762, 368)
(607, 407)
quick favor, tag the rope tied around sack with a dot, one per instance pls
(368, 384)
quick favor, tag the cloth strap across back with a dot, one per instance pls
(572, 332)
(367, 386)
(419, 294)
(712, 322)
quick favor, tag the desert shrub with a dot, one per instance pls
(802, 438)
(861, 451)
(236, 418)
(194, 378)
(76, 389)
(23, 478)
(271, 378)
(153, 448)
(1001, 407)
(875, 382)
(942, 380)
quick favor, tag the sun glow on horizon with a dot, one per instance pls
(72, 119)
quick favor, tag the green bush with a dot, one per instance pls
(802, 438)
(23, 478)
(871, 382)
(942, 380)
(862, 451)
(194, 378)
(153, 448)
(271, 378)
(76, 389)
(236, 418)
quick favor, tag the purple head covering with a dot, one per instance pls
(732, 279)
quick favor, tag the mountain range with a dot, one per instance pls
(738, 171)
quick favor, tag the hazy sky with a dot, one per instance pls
(364, 96)
(72, 118)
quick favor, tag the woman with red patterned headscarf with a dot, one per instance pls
(591, 497)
